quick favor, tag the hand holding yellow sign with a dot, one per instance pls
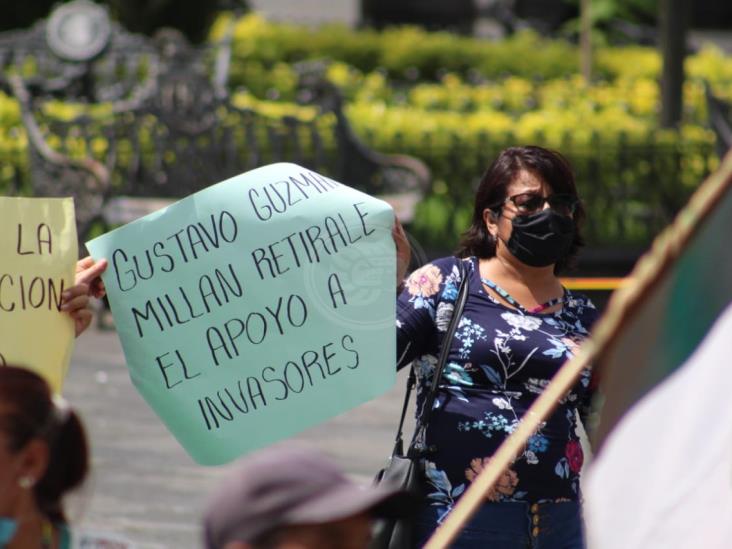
(38, 252)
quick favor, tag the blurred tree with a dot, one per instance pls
(19, 15)
(674, 21)
(620, 20)
(711, 14)
(546, 16)
(586, 39)
(192, 17)
(456, 15)
(617, 21)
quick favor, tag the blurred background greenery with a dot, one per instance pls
(422, 78)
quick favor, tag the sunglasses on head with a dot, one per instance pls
(530, 203)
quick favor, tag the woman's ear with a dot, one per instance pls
(33, 460)
(490, 218)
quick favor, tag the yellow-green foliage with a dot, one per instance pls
(630, 173)
(713, 66)
(414, 54)
(406, 52)
(13, 146)
(455, 102)
(635, 95)
(625, 167)
(627, 61)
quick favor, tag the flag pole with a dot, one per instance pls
(474, 496)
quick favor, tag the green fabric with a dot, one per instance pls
(64, 535)
(679, 288)
(702, 286)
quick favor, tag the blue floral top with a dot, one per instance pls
(499, 361)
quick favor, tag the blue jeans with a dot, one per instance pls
(512, 526)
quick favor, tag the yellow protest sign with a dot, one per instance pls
(38, 252)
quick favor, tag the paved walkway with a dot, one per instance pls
(145, 487)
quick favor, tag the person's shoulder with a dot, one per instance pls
(582, 306)
(449, 264)
(445, 263)
(440, 277)
(443, 269)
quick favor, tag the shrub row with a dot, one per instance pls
(412, 54)
(632, 177)
(638, 96)
(449, 100)
(256, 39)
(455, 102)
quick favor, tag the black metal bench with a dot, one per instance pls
(175, 130)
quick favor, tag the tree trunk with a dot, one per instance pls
(586, 40)
(673, 20)
(456, 15)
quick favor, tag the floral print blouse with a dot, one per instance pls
(499, 361)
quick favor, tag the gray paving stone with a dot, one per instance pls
(145, 487)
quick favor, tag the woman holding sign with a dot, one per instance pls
(518, 326)
(43, 455)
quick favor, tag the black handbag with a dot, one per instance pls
(405, 470)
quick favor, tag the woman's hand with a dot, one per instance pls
(403, 250)
(75, 300)
(89, 272)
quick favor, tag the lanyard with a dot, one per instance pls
(46, 535)
(505, 295)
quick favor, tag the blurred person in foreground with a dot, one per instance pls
(290, 497)
(43, 455)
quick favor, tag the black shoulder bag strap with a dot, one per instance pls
(423, 420)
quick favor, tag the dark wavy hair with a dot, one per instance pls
(549, 166)
(30, 413)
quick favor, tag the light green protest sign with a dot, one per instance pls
(255, 308)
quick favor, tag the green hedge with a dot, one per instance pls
(632, 176)
(411, 54)
(611, 155)
(394, 50)
(456, 101)
(449, 101)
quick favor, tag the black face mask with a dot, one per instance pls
(541, 239)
